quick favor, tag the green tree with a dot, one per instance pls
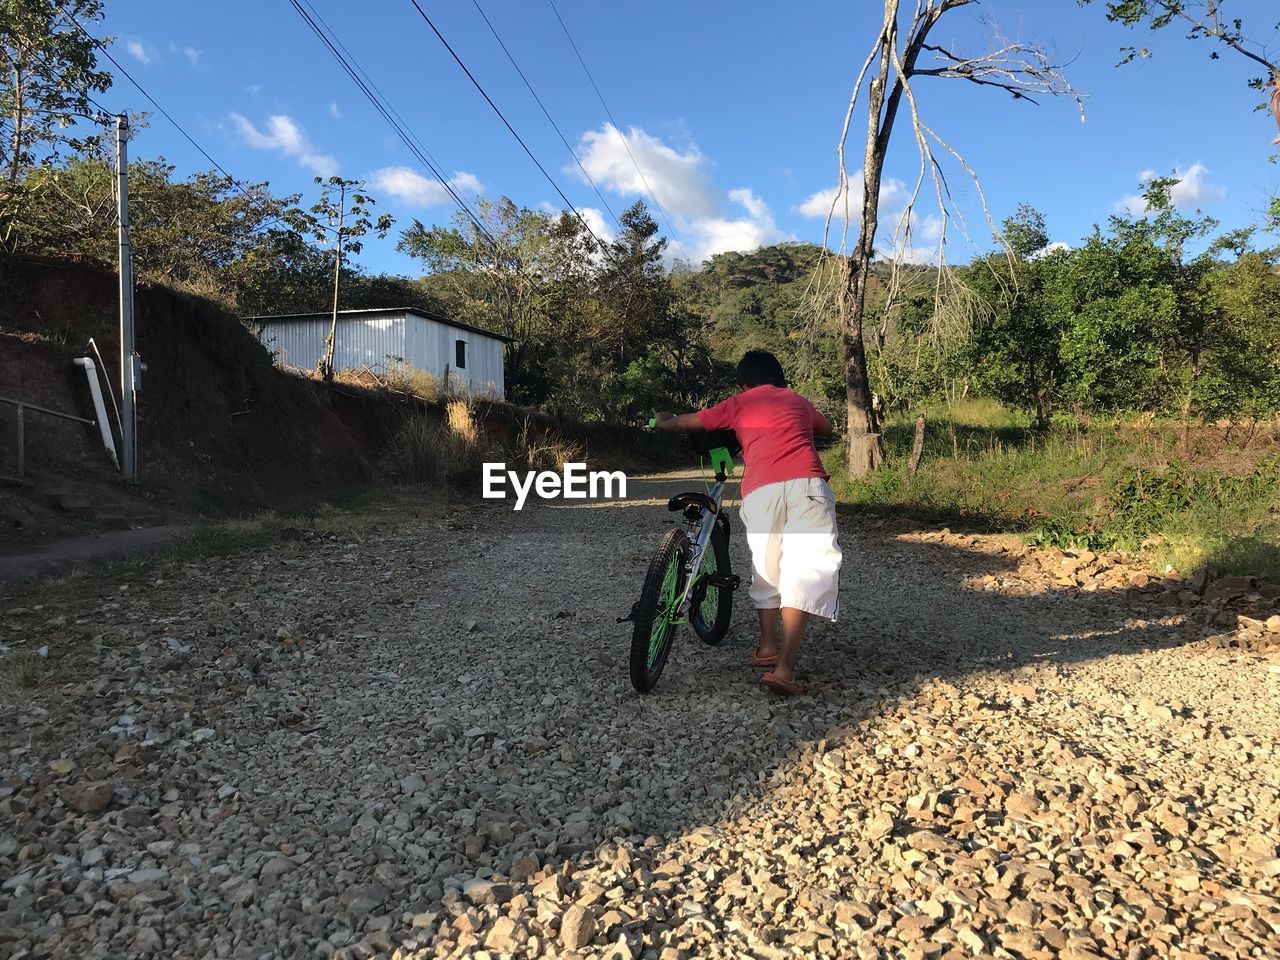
(341, 221)
(186, 234)
(497, 278)
(1017, 340)
(1242, 372)
(48, 72)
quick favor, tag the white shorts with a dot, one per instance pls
(795, 556)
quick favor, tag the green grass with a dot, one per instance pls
(1200, 500)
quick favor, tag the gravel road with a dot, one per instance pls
(408, 730)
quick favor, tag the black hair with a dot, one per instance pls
(760, 367)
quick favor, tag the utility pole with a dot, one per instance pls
(331, 352)
(128, 357)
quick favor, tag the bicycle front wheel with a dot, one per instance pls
(655, 621)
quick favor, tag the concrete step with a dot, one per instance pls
(77, 503)
(127, 519)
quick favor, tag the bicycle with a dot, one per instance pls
(689, 579)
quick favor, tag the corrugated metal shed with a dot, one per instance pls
(384, 339)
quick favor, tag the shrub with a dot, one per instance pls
(425, 450)
(547, 450)
(407, 378)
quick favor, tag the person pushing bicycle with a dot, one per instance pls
(788, 509)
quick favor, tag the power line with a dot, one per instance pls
(349, 66)
(547, 114)
(432, 164)
(609, 114)
(555, 186)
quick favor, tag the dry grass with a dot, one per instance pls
(426, 450)
(30, 671)
(545, 450)
(460, 421)
(406, 378)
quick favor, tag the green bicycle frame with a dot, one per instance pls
(722, 461)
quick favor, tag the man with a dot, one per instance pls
(787, 507)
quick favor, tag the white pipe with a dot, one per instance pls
(100, 411)
(111, 393)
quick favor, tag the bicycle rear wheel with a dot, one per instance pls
(656, 611)
(712, 603)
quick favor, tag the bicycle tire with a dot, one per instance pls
(713, 605)
(654, 627)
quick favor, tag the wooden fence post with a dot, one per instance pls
(917, 448)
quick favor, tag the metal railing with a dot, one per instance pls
(23, 406)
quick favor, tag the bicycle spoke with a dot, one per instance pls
(662, 622)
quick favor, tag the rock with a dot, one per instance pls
(971, 939)
(275, 868)
(484, 892)
(1273, 623)
(522, 868)
(577, 927)
(1023, 804)
(148, 941)
(88, 797)
(880, 826)
(361, 900)
(413, 783)
(552, 888)
(502, 936)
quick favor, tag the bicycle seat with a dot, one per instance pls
(682, 500)
(704, 441)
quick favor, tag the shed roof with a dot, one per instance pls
(361, 313)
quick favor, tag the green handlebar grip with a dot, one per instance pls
(653, 423)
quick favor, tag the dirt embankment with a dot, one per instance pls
(218, 426)
(220, 429)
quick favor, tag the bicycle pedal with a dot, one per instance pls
(731, 582)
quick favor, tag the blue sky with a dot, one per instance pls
(731, 108)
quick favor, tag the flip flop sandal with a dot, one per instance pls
(769, 661)
(785, 688)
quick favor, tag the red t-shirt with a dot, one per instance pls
(775, 427)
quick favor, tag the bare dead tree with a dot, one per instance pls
(902, 52)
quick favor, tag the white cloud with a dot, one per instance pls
(408, 185)
(1055, 247)
(920, 245)
(1192, 190)
(191, 53)
(677, 180)
(596, 221)
(334, 111)
(701, 214)
(139, 51)
(286, 136)
(720, 234)
(817, 205)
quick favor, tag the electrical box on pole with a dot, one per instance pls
(128, 355)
